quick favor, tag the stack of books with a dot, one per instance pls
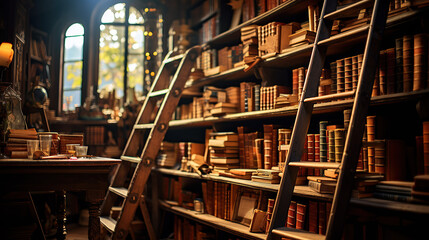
(322, 184)
(249, 37)
(223, 108)
(239, 173)
(365, 184)
(420, 188)
(223, 148)
(266, 176)
(16, 144)
(394, 190)
(167, 156)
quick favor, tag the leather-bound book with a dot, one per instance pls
(408, 65)
(339, 144)
(420, 61)
(295, 73)
(399, 68)
(396, 160)
(348, 67)
(310, 152)
(322, 217)
(333, 68)
(301, 212)
(355, 72)
(313, 225)
(291, 215)
(382, 68)
(426, 146)
(340, 76)
(317, 172)
(323, 143)
(390, 70)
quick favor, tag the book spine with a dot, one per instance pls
(295, 74)
(257, 88)
(426, 147)
(379, 159)
(268, 149)
(240, 131)
(420, 62)
(347, 114)
(370, 133)
(390, 70)
(355, 72)
(301, 210)
(376, 86)
(291, 216)
(310, 152)
(259, 143)
(301, 79)
(270, 208)
(323, 143)
(407, 53)
(348, 82)
(339, 144)
(340, 76)
(313, 225)
(331, 147)
(333, 68)
(399, 68)
(382, 73)
(317, 172)
(365, 150)
(322, 217)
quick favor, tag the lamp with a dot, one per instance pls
(6, 56)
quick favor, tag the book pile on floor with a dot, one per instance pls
(16, 144)
(223, 148)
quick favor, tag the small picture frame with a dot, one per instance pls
(246, 203)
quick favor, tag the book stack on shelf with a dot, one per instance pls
(420, 189)
(230, 57)
(16, 144)
(249, 37)
(168, 154)
(223, 147)
(266, 176)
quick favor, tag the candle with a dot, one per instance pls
(6, 54)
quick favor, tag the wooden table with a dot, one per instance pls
(89, 175)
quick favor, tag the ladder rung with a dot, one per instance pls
(121, 191)
(159, 93)
(143, 126)
(347, 11)
(108, 222)
(131, 159)
(173, 59)
(323, 165)
(293, 233)
(330, 97)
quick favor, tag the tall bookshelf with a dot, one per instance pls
(397, 120)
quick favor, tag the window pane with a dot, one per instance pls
(135, 60)
(135, 16)
(73, 48)
(111, 59)
(75, 30)
(72, 75)
(71, 99)
(114, 14)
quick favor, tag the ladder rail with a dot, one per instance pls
(359, 112)
(153, 143)
(302, 122)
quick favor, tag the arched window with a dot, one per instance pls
(72, 67)
(121, 53)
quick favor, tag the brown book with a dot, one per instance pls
(408, 65)
(390, 70)
(30, 131)
(259, 149)
(426, 146)
(18, 154)
(322, 218)
(291, 216)
(310, 152)
(295, 81)
(355, 72)
(396, 160)
(382, 73)
(348, 67)
(301, 210)
(23, 136)
(420, 61)
(313, 225)
(241, 144)
(399, 65)
(301, 79)
(340, 76)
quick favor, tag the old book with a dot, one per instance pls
(301, 79)
(291, 216)
(301, 210)
(340, 76)
(426, 147)
(222, 143)
(407, 53)
(313, 211)
(322, 217)
(399, 65)
(420, 61)
(304, 36)
(240, 132)
(355, 72)
(257, 95)
(259, 151)
(348, 67)
(18, 154)
(382, 73)
(390, 70)
(310, 152)
(333, 68)
(322, 187)
(323, 141)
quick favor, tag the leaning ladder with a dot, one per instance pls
(353, 142)
(143, 145)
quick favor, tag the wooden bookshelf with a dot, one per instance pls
(209, 220)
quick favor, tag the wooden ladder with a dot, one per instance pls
(145, 138)
(353, 142)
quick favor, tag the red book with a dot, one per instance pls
(322, 218)
(390, 70)
(310, 152)
(396, 160)
(295, 81)
(301, 210)
(382, 73)
(291, 216)
(313, 225)
(420, 62)
(316, 152)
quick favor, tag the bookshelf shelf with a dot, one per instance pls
(209, 220)
(285, 10)
(327, 107)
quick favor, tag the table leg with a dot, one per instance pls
(94, 198)
(61, 215)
